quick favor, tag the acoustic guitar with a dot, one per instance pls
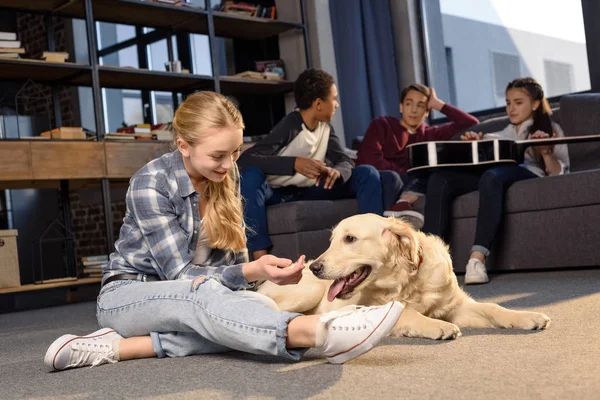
(481, 154)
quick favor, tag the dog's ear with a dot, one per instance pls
(403, 239)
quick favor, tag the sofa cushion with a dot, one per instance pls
(581, 117)
(300, 216)
(562, 191)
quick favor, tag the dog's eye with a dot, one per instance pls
(349, 239)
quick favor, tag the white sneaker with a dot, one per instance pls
(70, 351)
(404, 210)
(476, 272)
(354, 330)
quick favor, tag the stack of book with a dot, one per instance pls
(92, 266)
(269, 76)
(247, 9)
(10, 47)
(64, 132)
(162, 132)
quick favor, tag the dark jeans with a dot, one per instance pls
(444, 186)
(413, 184)
(374, 191)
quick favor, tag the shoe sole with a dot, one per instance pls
(475, 281)
(414, 218)
(64, 340)
(381, 330)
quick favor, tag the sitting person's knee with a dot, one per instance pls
(366, 172)
(251, 178)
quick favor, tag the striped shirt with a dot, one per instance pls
(161, 229)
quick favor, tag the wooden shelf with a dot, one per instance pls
(43, 286)
(230, 85)
(125, 159)
(15, 161)
(133, 78)
(45, 72)
(156, 15)
(31, 163)
(67, 160)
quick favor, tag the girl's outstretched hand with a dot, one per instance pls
(277, 270)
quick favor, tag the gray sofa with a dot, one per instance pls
(552, 222)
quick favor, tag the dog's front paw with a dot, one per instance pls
(534, 321)
(433, 329)
(445, 331)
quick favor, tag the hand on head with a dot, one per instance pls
(434, 102)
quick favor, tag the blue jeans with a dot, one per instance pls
(413, 184)
(184, 320)
(444, 186)
(372, 189)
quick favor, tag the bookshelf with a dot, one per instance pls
(157, 15)
(47, 163)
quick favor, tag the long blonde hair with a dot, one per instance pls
(224, 219)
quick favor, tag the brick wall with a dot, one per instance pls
(31, 30)
(87, 214)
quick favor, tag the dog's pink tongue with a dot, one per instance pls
(335, 288)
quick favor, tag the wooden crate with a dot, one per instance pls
(9, 259)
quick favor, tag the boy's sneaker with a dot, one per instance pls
(404, 210)
(354, 330)
(476, 272)
(70, 351)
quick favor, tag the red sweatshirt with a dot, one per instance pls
(385, 141)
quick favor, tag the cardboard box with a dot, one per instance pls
(9, 259)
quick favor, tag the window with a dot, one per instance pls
(475, 47)
(559, 78)
(451, 79)
(505, 68)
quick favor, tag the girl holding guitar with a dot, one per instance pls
(529, 114)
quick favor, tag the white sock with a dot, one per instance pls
(321, 334)
(116, 345)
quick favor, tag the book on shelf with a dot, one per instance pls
(19, 50)
(247, 9)
(94, 264)
(174, 3)
(93, 270)
(9, 55)
(65, 132)
(101, 257)
(271, 66)
(10, 44)
(8, 36)
(269, 76)
(119, 136)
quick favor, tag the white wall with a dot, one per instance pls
(472, 43)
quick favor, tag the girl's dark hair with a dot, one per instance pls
(312, 84)
(541, 115)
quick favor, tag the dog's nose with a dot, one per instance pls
(316, 267)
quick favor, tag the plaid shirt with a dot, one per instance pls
(161, 227)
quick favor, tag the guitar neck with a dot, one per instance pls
(560, 140)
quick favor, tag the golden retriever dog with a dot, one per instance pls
(372, 260)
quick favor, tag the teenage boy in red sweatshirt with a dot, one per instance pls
(384, 144)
